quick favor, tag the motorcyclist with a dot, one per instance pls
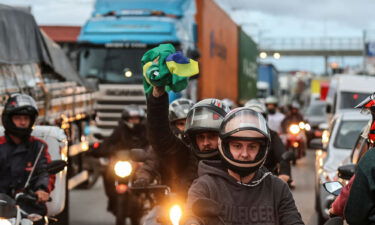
(19, 153)
(245, 191)
(274, 162)
(359, 204)
(202, 126)
(293, 116)
(130, 133)
(152, 169)
(274, 116)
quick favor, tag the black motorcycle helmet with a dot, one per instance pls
(19, 104)
(205, 116)
(244, 124)
(133, 111)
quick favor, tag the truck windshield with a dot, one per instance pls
(112, 65)
(350, 99)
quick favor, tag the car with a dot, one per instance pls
(315, 115)
(337, 142)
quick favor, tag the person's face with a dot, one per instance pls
(134, 120)
(244, 150)
(271, 106)
(21, 121)
(180, 124)
(207, 141)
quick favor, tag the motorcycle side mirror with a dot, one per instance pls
(206, 208)
(316, 143)
(333, 187)
(56, 166)
(138, 155)
(346, 171)
(288, 156)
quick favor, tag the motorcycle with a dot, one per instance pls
(334, 187)
(164, 206)
(296, 141)
(122, 166)
(11, 212)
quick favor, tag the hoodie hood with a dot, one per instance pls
(217, 168)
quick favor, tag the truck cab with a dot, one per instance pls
(347, 90)
(113, 41)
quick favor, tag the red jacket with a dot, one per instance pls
(338, 205)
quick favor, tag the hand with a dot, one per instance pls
(158, 91)
(331, 212)
(141, 182)
(284, 177)
(42, 196)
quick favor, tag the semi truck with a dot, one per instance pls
(268, 81)
(33, 64)
(113, 41)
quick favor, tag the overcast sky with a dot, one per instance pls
(260, 18)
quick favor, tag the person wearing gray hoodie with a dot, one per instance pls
(238, 190)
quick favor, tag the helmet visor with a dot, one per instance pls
(245, 123)
(180, 111)
(23, 100)
(203, 118)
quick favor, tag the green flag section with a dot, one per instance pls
(163, 66)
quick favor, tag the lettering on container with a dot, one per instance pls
(217, 49)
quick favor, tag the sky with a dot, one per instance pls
(259, 18)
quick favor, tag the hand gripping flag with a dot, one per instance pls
(163, 66)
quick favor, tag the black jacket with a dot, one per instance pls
(16, 162)
(265, 200)
(123, 138)
(360, 206)
(274, 158)
(176, 159)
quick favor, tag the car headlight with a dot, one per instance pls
(123, 168)
(175, 214)
(294, 129)
(4, 221)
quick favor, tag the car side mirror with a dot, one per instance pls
(316, 144)
(346, 171)
(328, 109)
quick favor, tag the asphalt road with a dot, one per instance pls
(88, 207)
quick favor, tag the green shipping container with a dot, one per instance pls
(247, 67)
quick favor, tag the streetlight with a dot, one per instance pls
(263, 55)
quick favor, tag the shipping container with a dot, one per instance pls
(247, 68)
(218, 45)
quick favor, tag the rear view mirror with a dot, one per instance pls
(347, 171)
(316, 143)
(333, 187)
(138, 155)
(56, 166)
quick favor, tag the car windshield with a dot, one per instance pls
(112, 65)
(317, 109)
(348, 133)
(351, 99)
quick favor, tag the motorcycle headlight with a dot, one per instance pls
(294, 129)
(4, 221)
(301, 125)
(307, 127)
(123, 168)
(175, 214)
